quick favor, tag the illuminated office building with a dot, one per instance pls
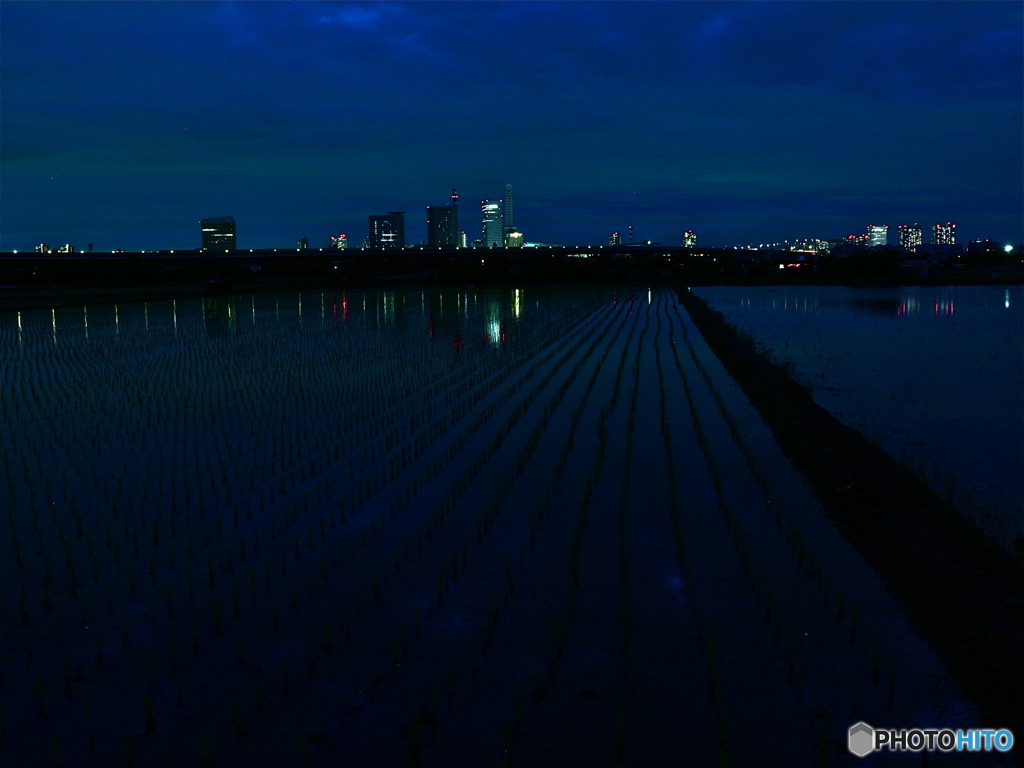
(492, 225)
(615, 239)
(944, 234)
(878, 235)
(387, 231)
(513, 238)
(911, 236)
(218, 233)
(689, 239)
(339, 243)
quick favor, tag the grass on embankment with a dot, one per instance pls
(964, 591)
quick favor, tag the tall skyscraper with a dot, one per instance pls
(689, 239)
(455, 216)
(878, 235)
(218, 233)
(443, 223)
(614, 239)
(387, 230)
(944, 234)
(339, 243)
(510, 225)
(493, 231)
(910, 236)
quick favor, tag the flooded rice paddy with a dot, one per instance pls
(934, 375)
(479, 527)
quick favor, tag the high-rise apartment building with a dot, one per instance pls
(443, 223)
(441, 227)
(493, 230)
(614, 239)
(878, 235)
(911, 236)
(218, 233)
(387, 230)
(689, 239)
(339, 243)
(944, 234)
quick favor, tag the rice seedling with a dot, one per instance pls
(368, 488)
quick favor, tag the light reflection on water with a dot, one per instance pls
(486, 317)
(934, 374)
(382, 312)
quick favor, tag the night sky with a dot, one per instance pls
(123, 124)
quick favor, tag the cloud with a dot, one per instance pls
(354, 16)
(742, 104)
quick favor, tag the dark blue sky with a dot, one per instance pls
(123, 124)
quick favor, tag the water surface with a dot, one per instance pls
(933, 374)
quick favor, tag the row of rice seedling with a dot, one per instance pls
(211, 573)
(383, 586)
(623, 545)
(689, 532)
(634, 704)
(492, 509)
(834, 601)
(667, 677)
(377, 692)
(787, 582)
(588, 602)
(449, 580)
(359, 595)
(274, 448)
(504, 601)
(673, 621)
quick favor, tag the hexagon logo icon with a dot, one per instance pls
(861, 739)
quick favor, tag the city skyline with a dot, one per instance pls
(124, 125)
(388, 231)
